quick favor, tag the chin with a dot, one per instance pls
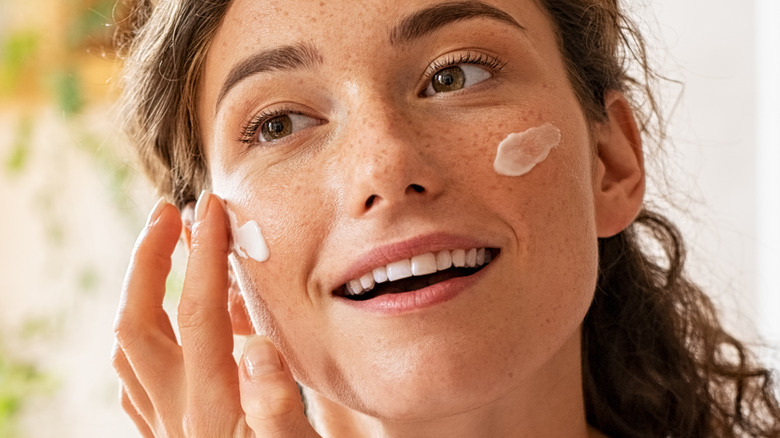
(428, 380)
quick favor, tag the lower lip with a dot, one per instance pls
(405, 302)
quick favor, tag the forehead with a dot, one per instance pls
(335, 25)
(276, 21)
(343, 35)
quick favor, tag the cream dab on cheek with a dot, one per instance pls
(248, 240)
(518, 153)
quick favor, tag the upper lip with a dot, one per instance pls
(389, 253)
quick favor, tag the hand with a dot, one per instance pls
(196, 389)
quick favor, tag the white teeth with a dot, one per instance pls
(367, 281)
(424, 264)
(443, 260)
(354, 287)
(471, 258)
(380, 274)
(459, 258)
(399, 270)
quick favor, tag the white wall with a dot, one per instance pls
(768, 91)
(727, 148)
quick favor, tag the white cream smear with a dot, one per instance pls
(520, 152)
(248, 240)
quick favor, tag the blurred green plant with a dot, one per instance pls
(68, 91)
(19, 156)
(17, 54)
(34, 67)
(19, 381)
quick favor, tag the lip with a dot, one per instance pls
(383, 255)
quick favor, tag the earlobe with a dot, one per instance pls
(619, 183)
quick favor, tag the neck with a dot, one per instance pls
(547, 403)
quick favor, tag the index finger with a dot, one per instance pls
(144, 284)
(204, 321)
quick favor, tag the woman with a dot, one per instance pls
(361, 139)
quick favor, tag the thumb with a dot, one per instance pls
(269, 396)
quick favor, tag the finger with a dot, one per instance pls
(204, 322)
(153, 375)
(148, 357)
(269, 396)
(144, 286)
(131, 388)
(129, 407)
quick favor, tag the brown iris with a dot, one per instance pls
(277, 128)
(450, 79)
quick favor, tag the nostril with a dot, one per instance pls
(416, 187)
(370, 201)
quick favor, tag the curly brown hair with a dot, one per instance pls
(656, 360)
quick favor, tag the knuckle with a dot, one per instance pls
(127, 331)
(193, 313)
(126, 403)
(280, 409)
(118, 360)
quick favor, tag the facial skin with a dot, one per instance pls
(374, 161)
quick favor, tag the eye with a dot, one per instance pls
(456, 78)
(267, 128)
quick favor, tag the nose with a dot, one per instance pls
(389, 163)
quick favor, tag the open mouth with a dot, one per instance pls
(417, 273)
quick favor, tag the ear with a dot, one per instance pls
(239, 316)
(619, 184)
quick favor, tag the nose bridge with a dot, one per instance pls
(386, 158)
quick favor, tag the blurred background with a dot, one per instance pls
(73, 202)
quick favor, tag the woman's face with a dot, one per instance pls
(326, 123)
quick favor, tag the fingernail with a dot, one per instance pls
(202, 206)
(158, 208)
(260, 356)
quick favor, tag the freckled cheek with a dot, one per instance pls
(289, 213)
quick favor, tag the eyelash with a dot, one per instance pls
(494, 63)
(249, 131)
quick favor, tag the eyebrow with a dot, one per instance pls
(415, 26)
(292, 57)
(430, 19)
